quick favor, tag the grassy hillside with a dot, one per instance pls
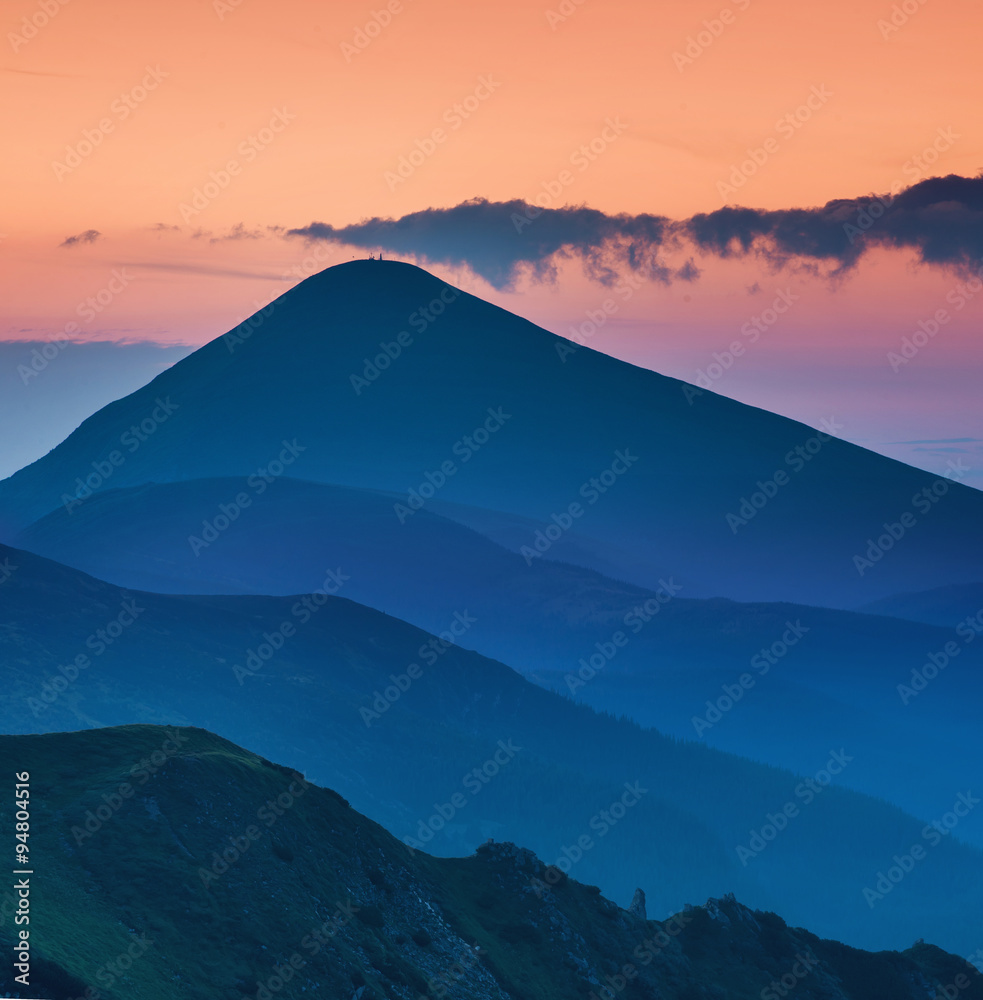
(132, 900)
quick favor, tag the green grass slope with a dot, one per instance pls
(171, 864)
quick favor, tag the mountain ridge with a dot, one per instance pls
(660, 657)
(368, 918)
(299, 694)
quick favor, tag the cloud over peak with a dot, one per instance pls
(940, 219)
(500, 241)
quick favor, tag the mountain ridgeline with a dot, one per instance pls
(446, 748)
(205, 872)
(813, 676)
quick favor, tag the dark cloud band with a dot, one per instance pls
(940, 219)
(502, 240)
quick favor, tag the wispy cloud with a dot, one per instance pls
(193, 267)
(89, 236)
(940, 441)
(240, 232)
(37, 72)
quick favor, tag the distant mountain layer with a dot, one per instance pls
(945, 606)
(447, 748)
(375, 374)
(205, 872)
(812, 676)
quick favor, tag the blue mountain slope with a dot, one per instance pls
(661, 658)
(377, 375)
(945, 606)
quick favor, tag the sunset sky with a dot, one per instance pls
(158, 156)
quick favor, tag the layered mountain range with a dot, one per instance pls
(488, 583)
(445, 748)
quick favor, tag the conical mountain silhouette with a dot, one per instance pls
(377, 374)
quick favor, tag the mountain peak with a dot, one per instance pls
(352, 275)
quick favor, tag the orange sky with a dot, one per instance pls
(217, 73)
(227, 74)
